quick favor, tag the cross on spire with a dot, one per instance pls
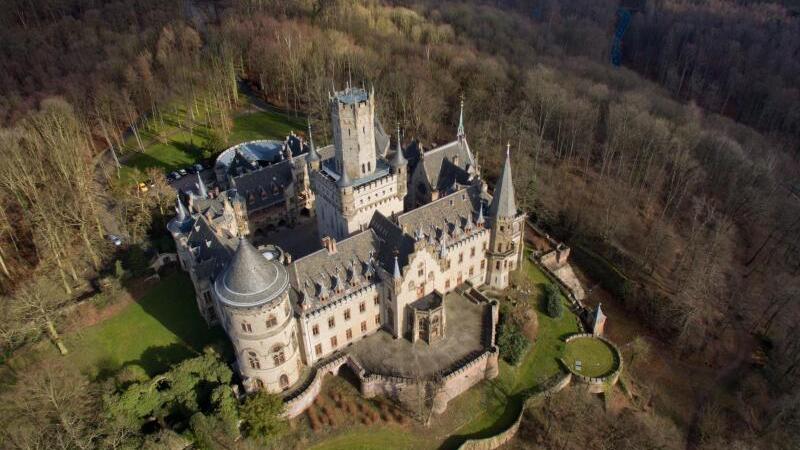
(461, 134)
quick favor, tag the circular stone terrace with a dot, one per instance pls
(590, 356)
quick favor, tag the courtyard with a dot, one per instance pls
(381, 353)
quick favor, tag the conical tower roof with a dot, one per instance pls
(399, 159)
(503, 204)
(312, 150)
(344, 180)
(251, 279)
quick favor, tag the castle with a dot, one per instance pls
(408, 236)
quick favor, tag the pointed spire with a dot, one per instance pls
(443, 245)
(312, 150)
(503, 204)
(183, 215)
(399, 159)
(460, 134)
(344, 180)
(481, 220)
(201, 187)
(397, 274)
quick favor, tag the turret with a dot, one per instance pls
(505, 241)
(313, 158)
(201, 187)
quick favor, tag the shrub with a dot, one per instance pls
(261, 414)
(513, 344)
(553, 305)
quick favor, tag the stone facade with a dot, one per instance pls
(387, 264)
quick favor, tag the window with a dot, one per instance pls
(347, 314)
(315, 330)
(252, 358)
(318, 349)
(376, 300)
(246, 327)
(259, 383)
(362, 307)
(447, 284)
(284, 381)
(207, 296)
(472, 251)
(369, 166)
(420, 272)
(278, 357)
(363, 171)
(349, 334)
(471, 271)
(483, 264)
(363, 326)
(485, 246)
(286, 309)
(497, 265)
(332, 321)
(421, 290)
(334, 342)
(271, 321)
(377, 319)
(461, 257)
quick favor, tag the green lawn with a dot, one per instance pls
(161, 329)
(182, 148)
(503, 396)
(596, 356)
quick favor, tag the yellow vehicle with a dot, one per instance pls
(142, 187)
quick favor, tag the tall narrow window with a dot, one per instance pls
(334, 342)
(271, 321)
(318, 349)
(252, 358)
(349, 334)
(284, 381)
(246, 327)
(315, 330)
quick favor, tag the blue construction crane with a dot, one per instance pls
(623, 21)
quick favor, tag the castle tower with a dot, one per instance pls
(505, 242)
(400, 168)
(353, 121)
(252, 297)
(179, 227)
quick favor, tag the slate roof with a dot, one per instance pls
(264, 187)
(323, 273)
(503, 204)
(251, 279)
(451, 214)
(211, 251)
(393, 241)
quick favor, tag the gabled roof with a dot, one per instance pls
(448, 214)
(348, 268)
(264, 187)
(447, 164)
(211, 251)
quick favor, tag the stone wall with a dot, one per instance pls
(303, 396)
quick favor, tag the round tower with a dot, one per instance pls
(253, 299)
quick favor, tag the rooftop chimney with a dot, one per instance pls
(330, 244)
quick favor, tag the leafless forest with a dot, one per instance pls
(675, 176)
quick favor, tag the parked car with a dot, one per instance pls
(199, 167)
(114, 239)
(183, 172)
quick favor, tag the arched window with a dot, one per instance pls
(252, 358)
(278, 357)
(271, 321)
(259, 383)
(246, 327)
(284, 381)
